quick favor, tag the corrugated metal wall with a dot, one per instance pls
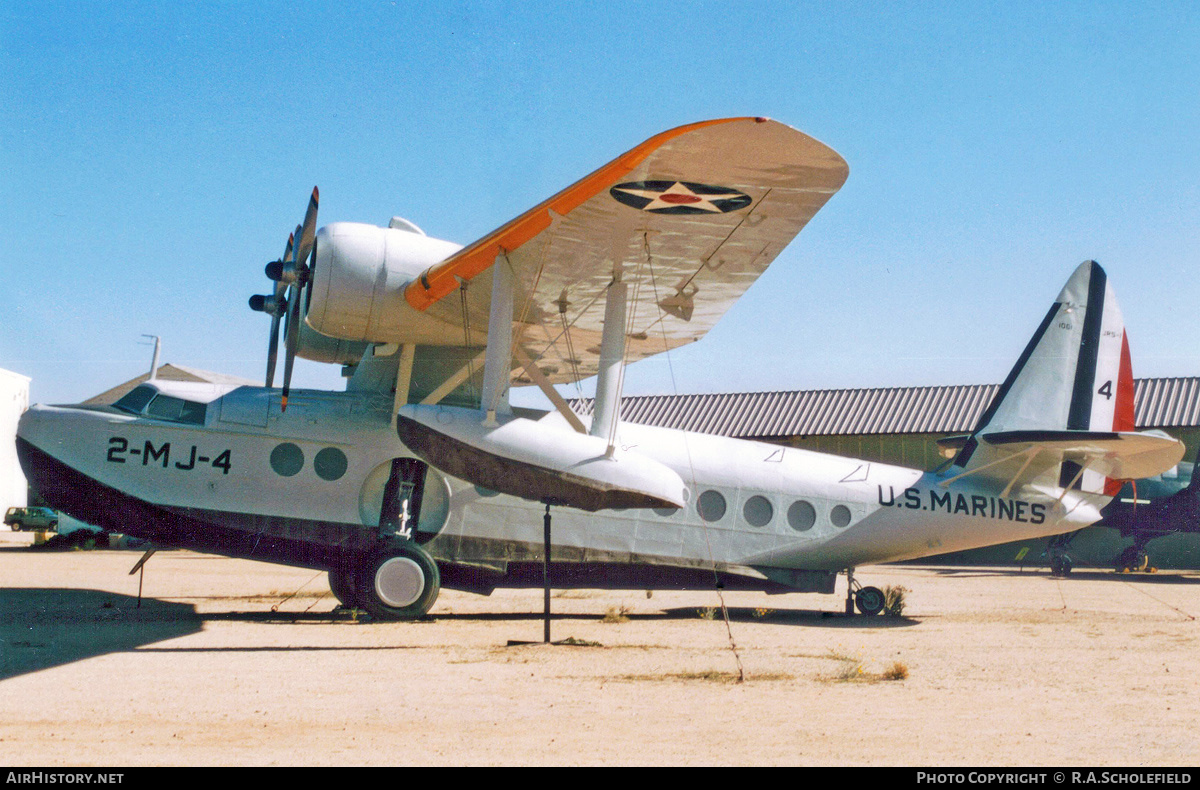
(1158, 403)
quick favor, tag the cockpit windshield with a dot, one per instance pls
(136, 399)
(149, 402)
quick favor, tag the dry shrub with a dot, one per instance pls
(893, 600)
(616, 614)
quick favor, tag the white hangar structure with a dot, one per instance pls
(14, 399)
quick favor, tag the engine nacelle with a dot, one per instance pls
(321, 348)
(360, 275)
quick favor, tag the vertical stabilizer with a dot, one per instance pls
(1074, 375)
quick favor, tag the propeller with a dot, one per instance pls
(274, 305)
(291, 274)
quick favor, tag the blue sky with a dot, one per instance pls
(155, 156)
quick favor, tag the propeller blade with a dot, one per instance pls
(273, 350)
(308, 277)
(307, 233)
(275, 305)
(280, 287)
(293, 338)
(279, 270)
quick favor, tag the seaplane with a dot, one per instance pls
(421, 474)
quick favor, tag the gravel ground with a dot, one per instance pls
(228, 662)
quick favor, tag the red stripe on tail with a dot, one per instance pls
(1123, 412)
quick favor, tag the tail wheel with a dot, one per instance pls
(1060, 565)
(869, 600)
(399, 582)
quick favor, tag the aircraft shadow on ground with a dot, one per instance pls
(809, 618)
(44, 628)
(792, 617)
(1082, 574)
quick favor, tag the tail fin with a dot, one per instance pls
(1067, 405)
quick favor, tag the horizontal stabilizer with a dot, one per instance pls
(536, 459)
(1123, 455)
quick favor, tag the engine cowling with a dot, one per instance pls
(359, 278)
(321, 348)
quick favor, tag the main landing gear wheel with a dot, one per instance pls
(1133, 559)
(869, 600)
(398, 582)
(1060, 565)
(341, 583)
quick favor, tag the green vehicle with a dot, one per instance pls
(31, 519)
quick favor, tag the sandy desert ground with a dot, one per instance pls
(229, 662)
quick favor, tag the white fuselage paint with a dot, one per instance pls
(886, 512)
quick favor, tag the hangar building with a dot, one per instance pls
(14, 399)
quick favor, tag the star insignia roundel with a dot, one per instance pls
(679, 197)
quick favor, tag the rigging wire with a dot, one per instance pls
(466, 319)
(692, 469)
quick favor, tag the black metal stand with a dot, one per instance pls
(141, 566)
(545, 585)
(546, 575)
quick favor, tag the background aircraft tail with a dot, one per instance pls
(1063, 417)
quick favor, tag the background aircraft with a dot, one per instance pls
(1152, 508)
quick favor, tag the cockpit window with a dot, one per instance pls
(152, 403)
(136, 399)
(165, 407)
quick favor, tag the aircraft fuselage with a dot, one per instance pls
(306, 487)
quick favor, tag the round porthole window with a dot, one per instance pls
(801, 516)
(287, 459)
(486, 492)
(840, 516)
(711, 505)
(330, 463)
(758, 511)
(665, 512)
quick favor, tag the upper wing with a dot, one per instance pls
(691, 218)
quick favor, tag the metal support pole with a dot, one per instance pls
(850, 591)
(154, 360)
(546, 575)
(140, 565)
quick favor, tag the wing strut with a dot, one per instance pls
(497, 363)
(536, 376)
(449, 385)
(404, 369)
(611, 375)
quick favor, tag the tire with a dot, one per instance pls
(1132, 559)
(1060, 565)
(341, 583)
(869, 600)
(398, 582)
